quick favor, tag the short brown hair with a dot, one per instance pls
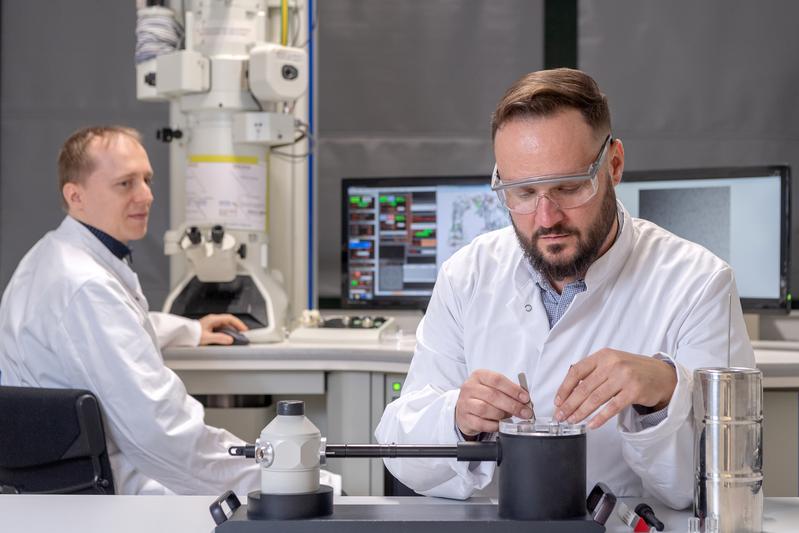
(74, 161)
(545, 92)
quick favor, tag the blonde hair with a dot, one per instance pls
(74, 160)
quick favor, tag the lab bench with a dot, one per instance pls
(346, 387)
(189, 514)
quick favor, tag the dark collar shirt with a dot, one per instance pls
(116, 247)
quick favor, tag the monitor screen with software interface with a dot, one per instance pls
(396, 232)
(740, 214)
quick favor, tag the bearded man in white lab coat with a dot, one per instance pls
(74, 316)
(607, 314)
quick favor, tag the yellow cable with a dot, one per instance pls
(284, 22)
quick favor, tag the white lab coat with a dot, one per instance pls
(652, 293)
(74, 316)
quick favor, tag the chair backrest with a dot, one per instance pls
(52, 442)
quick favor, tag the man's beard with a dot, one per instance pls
(587, 249)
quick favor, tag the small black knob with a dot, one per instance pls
(291, 407)
(242, 451)
(194, 235)
(217, 232)
(167, 134)
(149, 79)
(242, 251)
(290, 72)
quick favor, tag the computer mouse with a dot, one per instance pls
(239, 339)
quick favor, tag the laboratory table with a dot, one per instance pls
(248, 369)
(189, 514)
(353, 383)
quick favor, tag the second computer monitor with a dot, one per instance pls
(741, 214)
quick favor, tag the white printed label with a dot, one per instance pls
(228, 190)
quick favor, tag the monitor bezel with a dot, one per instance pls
(760, 305)
(398, 302)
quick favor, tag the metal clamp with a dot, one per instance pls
(264, 453)
(322, 450)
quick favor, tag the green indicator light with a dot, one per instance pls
(401, 199)
(788, 296)
(424, 233)
(396, 386)
(354, 283)
(363, 204)
(383, 199)
(400, 218)
(355, 199)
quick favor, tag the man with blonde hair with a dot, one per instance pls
(73, 316)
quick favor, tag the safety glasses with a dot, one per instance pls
(566, 191)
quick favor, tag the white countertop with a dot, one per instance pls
(189, 514)
(779, 360)
(394, 356)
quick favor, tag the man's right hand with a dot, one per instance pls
(487, 397)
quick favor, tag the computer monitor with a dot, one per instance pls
(396, 233)
(740, 214)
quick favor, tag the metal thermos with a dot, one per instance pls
(728, 448)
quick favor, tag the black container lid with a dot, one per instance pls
(291, 407)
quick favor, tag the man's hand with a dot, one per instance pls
(487, 397)
(618, 378)
(209, 323)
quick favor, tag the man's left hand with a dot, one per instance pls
(616, 380)
(210, 323)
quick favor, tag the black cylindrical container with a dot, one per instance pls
(542, 471)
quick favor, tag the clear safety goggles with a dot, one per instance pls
(566, 191)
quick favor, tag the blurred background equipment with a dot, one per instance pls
(232, 97)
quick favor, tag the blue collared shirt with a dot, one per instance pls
(116, 247)
(556, 305)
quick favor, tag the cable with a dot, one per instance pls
(289, 157)
(301, 127)
(314, 23)
(157, 32)
(284, 22)
(296, 20)
(304, 134)
(257, 102)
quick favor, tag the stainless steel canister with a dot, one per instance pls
(728, 447)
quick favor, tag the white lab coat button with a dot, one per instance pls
(528, 308)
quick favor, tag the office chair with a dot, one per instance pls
(52, 442)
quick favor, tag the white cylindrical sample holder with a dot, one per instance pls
(295, 443)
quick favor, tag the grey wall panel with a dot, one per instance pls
(407, 89)
(63, 66)
(696, 84)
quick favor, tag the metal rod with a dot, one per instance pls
(463, 451)
(523, 384)
(390, 450)
(729, 326)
